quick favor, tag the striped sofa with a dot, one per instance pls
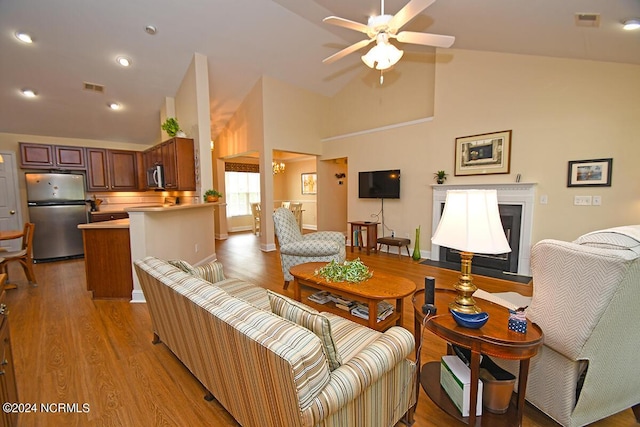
(272, 361)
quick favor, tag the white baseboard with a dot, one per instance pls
(137, 296)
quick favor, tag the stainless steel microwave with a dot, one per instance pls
(155, 177)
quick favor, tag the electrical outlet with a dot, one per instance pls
(582, 200)
(544, 199)
(597, 200)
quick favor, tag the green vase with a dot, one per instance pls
(416, 247)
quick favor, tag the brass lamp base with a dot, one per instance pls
(464, 302)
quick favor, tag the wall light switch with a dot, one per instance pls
(544, 199)
(597, 200)
(582, 200)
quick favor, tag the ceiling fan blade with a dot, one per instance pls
(346, 51)
(408, 12)
(435, 40)
(346, 23)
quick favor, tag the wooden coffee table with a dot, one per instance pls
(493, 339)
(381, 286)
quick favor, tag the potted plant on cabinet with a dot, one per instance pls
(440, 177)
(211, 196)
(171, 126)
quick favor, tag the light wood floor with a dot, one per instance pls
(70, 349)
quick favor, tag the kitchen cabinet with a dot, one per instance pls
(179, 164)
(112, 170)
(47, 156)
(177, 157)
(8, 387)
(107, 257)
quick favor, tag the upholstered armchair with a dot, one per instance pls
(586, 295)
(296, 248)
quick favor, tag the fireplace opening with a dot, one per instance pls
(510, 216)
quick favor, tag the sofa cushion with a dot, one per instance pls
(254, 295)
(309, 318)
(350, 337)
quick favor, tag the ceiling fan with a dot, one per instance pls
(383, 27)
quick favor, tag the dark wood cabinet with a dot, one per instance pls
(177, 157)
(112, 170)
(69, 157)
(46, 156)
(8, 387)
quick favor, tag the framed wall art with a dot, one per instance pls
(590, 173)
(309, 183)
(485, 154)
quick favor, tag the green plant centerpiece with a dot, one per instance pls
(349, 271)
(171, 126)
(211, 195)
(440, 177)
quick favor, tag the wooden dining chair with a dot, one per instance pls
(255, 213)
(296, 208)
(24, 256)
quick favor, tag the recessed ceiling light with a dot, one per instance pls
(114, 106)
(24, 37)
(150, 29)
(29, 93)
(631, 24)
(124, 61)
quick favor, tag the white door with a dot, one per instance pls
(10, 217)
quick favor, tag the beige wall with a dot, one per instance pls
(559, 110)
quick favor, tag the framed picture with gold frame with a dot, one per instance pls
(484, 154)
(309, 183)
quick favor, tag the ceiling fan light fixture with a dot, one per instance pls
(383, 55)
(631, 24)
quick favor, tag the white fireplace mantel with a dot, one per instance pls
(514, 193)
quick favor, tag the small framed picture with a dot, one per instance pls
(309, 182)
(590, 173)
(485, 154)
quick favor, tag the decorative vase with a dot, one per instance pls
(416, 247)
(181, 134)
(440, 180)
(211, 199)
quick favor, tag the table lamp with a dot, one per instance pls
(470, 223)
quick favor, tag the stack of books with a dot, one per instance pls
(320, 297)
(385, 310)
(344, 303)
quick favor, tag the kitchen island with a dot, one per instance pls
(107, 258)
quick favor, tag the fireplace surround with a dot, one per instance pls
(511, 194)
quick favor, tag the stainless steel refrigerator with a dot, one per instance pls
(56, 206)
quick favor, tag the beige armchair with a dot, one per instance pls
(296, 248)
(586, 296)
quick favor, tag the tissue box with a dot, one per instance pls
(517, 322)
(455, 379)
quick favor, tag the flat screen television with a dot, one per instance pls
(379, 184)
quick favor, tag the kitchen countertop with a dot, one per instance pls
(116, 223)
(169, 208)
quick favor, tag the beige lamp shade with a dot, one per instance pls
(471, 223)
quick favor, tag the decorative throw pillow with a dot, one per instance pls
(211, 272)
(182, 265)
(310, 319)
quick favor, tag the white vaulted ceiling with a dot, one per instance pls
(78, 41)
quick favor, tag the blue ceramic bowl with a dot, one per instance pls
(472, 321)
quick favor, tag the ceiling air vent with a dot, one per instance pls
(588, 19)
(93, 87)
